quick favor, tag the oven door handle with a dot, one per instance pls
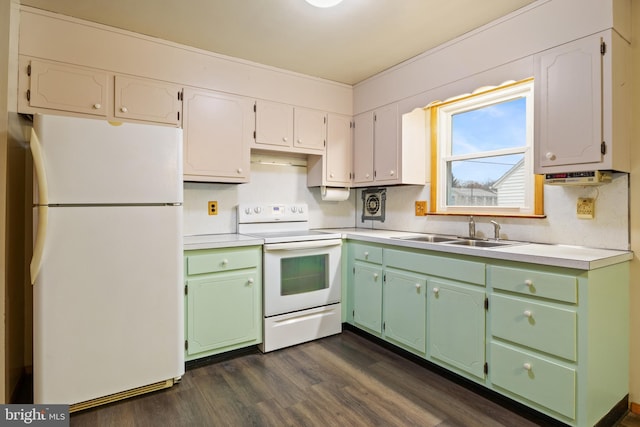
(309, 244)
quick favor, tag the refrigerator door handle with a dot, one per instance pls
(38, 247)
(38, 163)
(43, 211)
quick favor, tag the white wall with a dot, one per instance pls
(269, 184)
(489, 56)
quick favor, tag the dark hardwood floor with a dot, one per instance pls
(343, 380)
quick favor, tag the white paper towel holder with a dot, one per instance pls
(334, 194)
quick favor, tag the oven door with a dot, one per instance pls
(301, 275)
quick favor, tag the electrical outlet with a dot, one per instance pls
(421, 207)
(213, 208)
(586, 208)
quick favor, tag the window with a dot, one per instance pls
(482, 153)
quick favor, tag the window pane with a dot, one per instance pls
(493, 127)
(486, 181)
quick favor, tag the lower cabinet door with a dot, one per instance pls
(537, 379)
(456, 325)
(405, 310)
(367, 297)
(223, 310)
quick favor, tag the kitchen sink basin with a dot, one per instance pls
(429, 238)
(480, 243)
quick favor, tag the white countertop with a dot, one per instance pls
(215, 241)
(567, 256)
(582, 258)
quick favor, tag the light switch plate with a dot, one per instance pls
(421, 207)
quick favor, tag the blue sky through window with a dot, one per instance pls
(494, 127)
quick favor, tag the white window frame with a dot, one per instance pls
(477, 100)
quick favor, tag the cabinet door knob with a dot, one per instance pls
(225, 262)
(435, 291)
(366, 255)
(418, 286)
(124, 109)
(250, 281)
(392, 173)
(97, 106)
(550, 156)
(528, 314)
(367, 176)
(239, 170)
(331, 175)
(527, 366)
(284, 139)
(375, 275)
(299, 141)
(528, 283)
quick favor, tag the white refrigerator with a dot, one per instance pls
(107, 265)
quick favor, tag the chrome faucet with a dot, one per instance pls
(496, 230)
(472, 228)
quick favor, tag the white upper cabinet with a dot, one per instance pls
(334, 168)
(148, 100)
(583, 105)
(381, 155)
(283, 127)
(218, 129)
(63, 87)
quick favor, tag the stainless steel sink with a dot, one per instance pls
(431, 238)
(480, 243)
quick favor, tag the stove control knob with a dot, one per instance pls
(248, 211)
(300, 209)
(294, 209)
(257, 209)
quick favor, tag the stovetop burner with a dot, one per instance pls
(279, 223)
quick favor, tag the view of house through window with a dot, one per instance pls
(484, 146)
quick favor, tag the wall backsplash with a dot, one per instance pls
(269, 184)
(287, 184)
(609, 228)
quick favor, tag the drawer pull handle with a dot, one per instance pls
(528, 313)
(366, 254)
(436, 290)
(97, 106)
(528, 283)
(527, 366)
(225, 262)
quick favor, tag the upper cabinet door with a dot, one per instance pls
(339, 150)
(310, 129)
(67, 88)
(274, 124)
(145, 99)
(386, 147)
(363, 149)
(568, 93)
(217, 135)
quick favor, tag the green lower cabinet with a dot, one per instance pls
(405, 310)
(367, 297)
(456, 325)
(223, 301)
(536, 378)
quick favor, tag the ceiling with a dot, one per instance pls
(347, 43)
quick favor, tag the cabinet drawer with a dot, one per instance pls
(561, 287)
(367, 253)
(217, 261)
(540, 380)
(450, 268)
(539, 326)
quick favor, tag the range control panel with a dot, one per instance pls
(272, 212)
